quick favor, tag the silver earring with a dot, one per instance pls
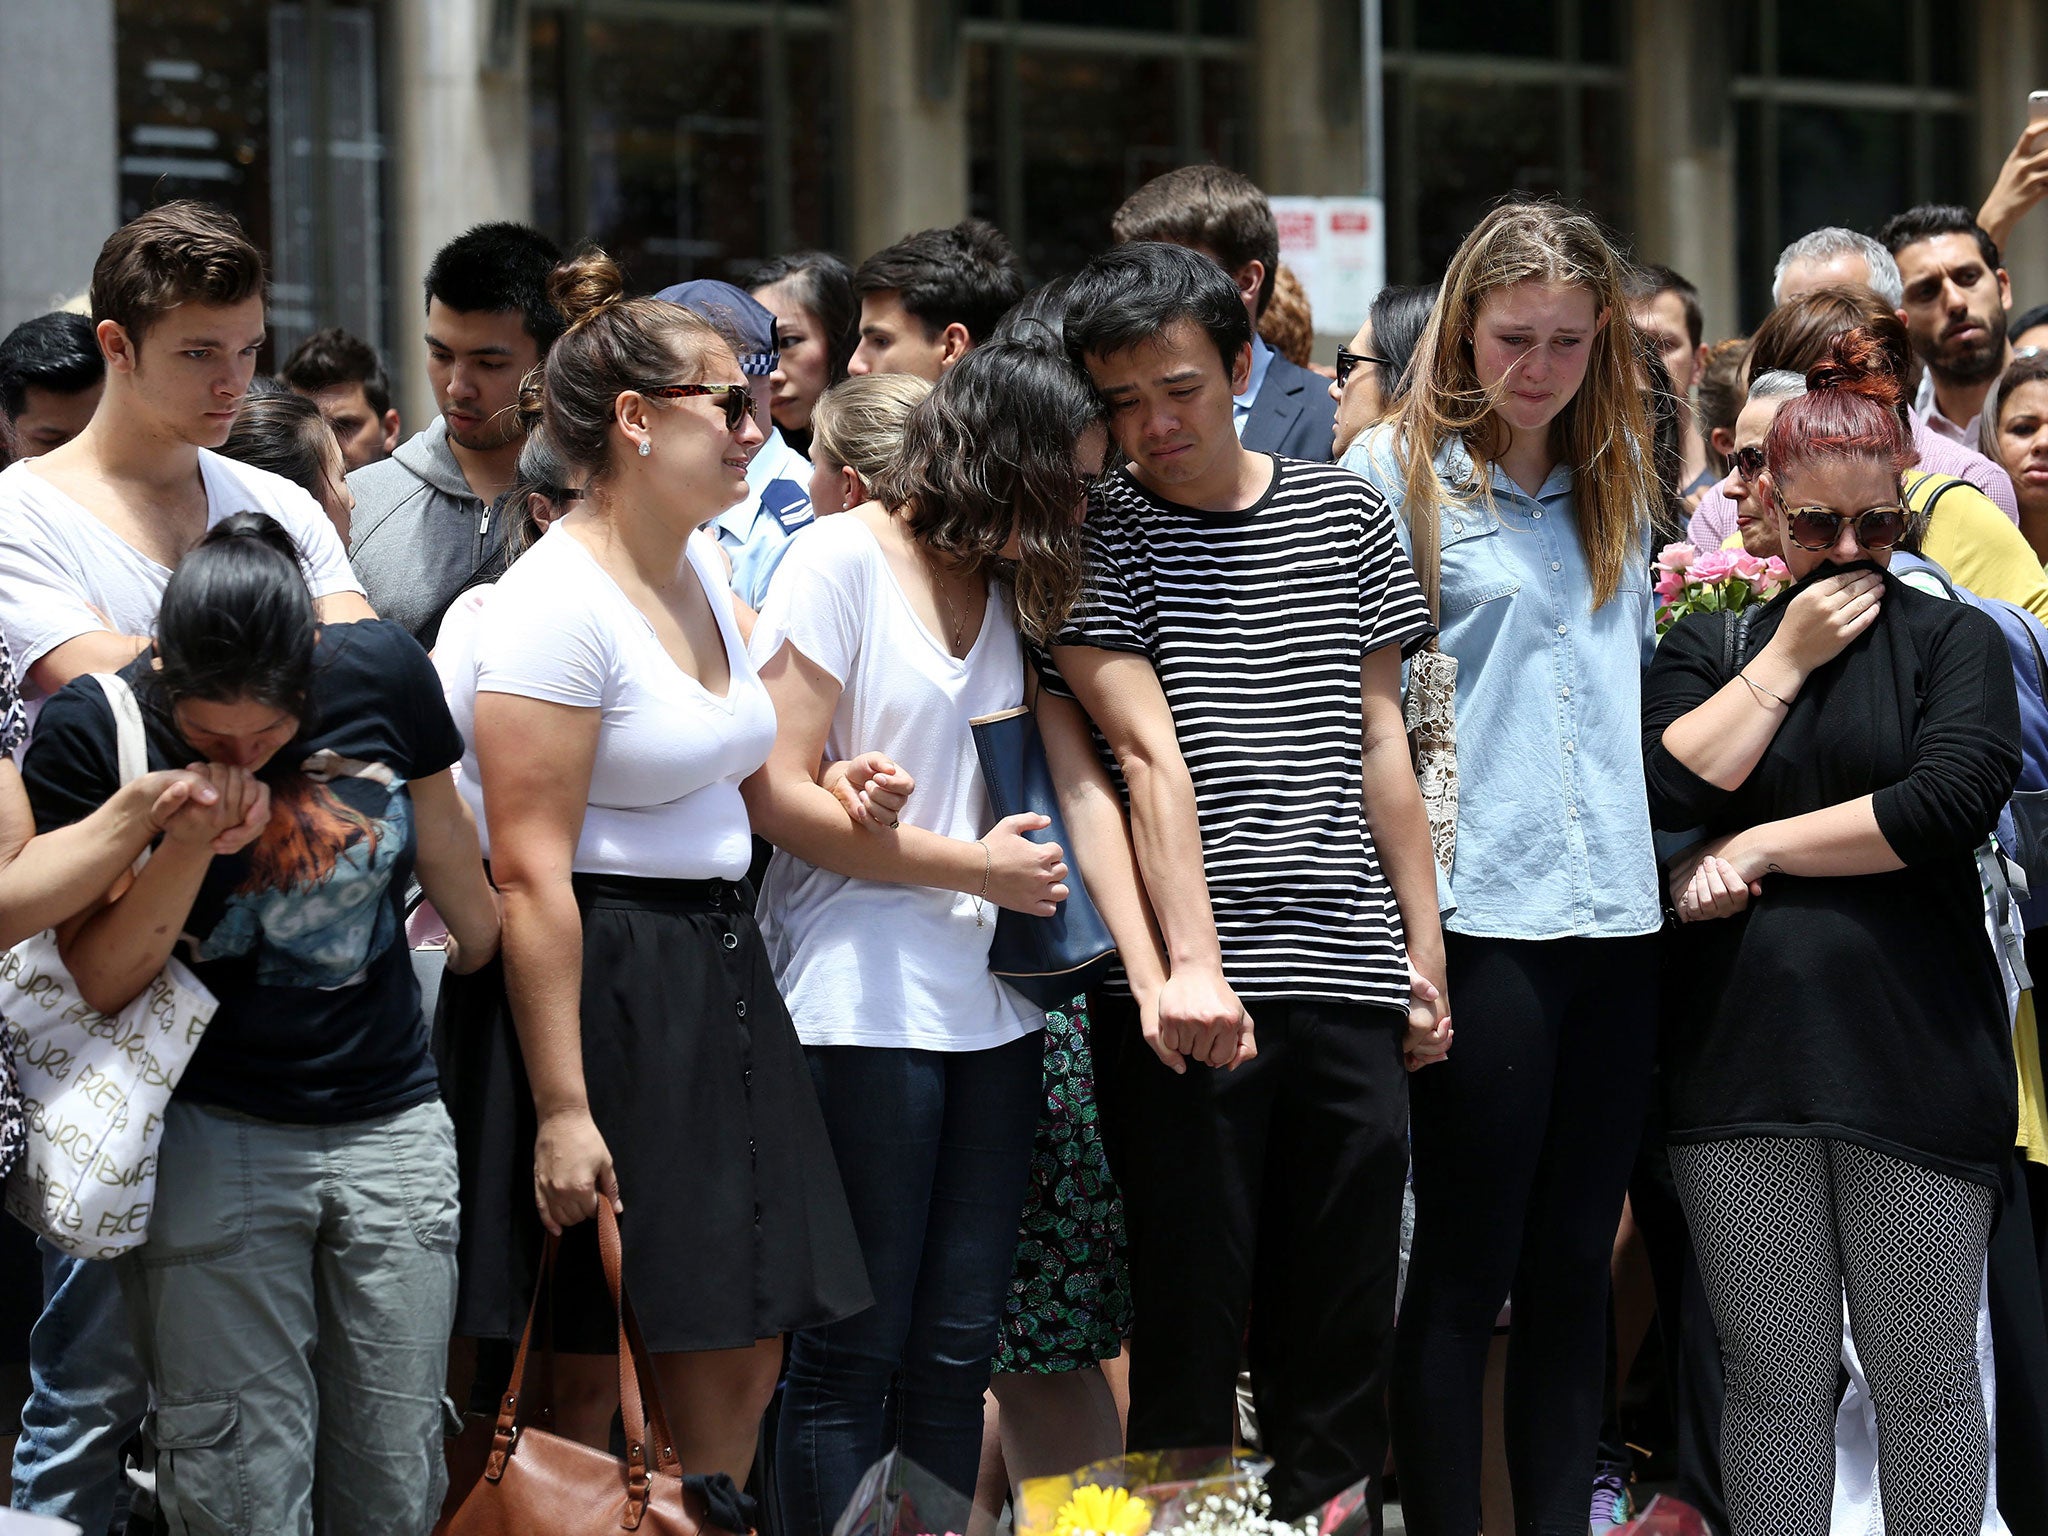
(645, 447)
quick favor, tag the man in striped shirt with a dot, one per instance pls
(1239, 650)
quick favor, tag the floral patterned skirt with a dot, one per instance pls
(1070, 1294)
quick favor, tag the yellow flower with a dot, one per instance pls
(1097, 1511)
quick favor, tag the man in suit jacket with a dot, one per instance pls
(1285, 409)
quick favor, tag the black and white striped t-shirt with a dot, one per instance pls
(1256, 623)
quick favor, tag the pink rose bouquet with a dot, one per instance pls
(1718, 581)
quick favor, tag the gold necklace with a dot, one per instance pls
(953, 619)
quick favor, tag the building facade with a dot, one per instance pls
(693, 137)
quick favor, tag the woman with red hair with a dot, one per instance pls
(1840, 1072)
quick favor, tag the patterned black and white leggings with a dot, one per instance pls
(1781, 1225)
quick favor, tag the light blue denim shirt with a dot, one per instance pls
(1553, 818)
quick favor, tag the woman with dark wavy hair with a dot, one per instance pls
(889, 629)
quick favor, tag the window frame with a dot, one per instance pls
(779, 23)
(299, 138)
(1768, 92)
(1006, 35)
(1568, 74)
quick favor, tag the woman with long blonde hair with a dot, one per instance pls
(1520, 466)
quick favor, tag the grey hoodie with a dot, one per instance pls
(420, 534)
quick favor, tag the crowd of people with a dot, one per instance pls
(575, 808)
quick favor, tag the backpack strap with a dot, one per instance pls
(2040, 661)
(131, 748)
(1946, 484)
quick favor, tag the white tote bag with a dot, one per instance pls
(94, 1085)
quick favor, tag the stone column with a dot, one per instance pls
(1306, 88)
(459, 150)
(1682, 114)
(2012, 60)
(907, 163)
(59, 188)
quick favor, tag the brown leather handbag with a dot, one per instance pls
(537, 1483)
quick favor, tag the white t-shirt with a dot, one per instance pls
(665, 787)
(861, 962)
(58, 562)
(454, 658)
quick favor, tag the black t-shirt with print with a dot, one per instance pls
(301, 935)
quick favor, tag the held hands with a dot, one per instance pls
(873, 789)
(222, 808)
(1709, 883)
(1022, 875)
(160, 796)
(572, 1170)
(1822, 620)
(1196, 1017)
(1428, 1040)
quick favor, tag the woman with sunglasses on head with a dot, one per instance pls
(1840, 1073)
(615, 714)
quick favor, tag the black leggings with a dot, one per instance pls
(1528, 1130)
(1782, 1224)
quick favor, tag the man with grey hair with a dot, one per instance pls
(1832, 257)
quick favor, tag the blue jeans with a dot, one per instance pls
(87, 1396)
(934, 1150)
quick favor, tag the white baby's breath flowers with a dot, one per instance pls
(1242, 1509)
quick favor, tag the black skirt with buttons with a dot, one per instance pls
(735, 1228)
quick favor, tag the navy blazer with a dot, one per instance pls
(1293, 414)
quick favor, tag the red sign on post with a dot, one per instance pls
(1337, 247)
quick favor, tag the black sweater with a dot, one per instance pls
(1867, 1007)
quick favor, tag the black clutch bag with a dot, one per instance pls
(1049, 959)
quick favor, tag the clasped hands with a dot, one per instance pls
(1718, 878)
(1195, 1016)
(208, 805)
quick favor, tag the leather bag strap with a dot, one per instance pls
(507, 1429)
(639, 1392)
(650, 1443)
